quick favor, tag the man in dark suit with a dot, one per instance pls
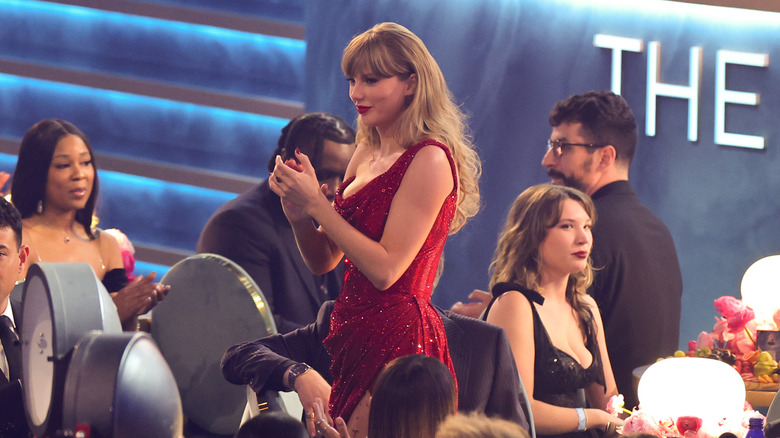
(252, 230)
(13, 256)
(484, 366)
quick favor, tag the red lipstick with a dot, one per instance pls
(362, 109)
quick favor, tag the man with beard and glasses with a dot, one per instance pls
(637, 284)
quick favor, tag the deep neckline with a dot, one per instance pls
(349, 180)
(535, 297)
(558, 350)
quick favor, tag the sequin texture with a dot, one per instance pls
(369, 327)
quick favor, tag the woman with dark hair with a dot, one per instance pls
(539, 276)
(55, 188)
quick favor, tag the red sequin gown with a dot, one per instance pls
(369, 327)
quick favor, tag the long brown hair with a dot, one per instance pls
(389, 49)
(516, 259)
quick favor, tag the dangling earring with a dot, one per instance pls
(39, 208)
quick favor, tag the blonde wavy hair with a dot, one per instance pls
(389, 49)
(516, 259)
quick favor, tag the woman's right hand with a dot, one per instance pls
(138, 297)
(599, 419)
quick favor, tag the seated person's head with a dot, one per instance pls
(522, 252)
(12, 263)
(272, 425)
(327, 140)
(604, 117)
(42, 167)
(478, 425)
(411, 396)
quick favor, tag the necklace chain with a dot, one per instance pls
(49, 225)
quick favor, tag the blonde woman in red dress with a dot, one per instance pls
(411, 182)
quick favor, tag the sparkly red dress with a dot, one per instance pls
(369, 327)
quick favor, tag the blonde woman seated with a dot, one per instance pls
(55, 188)
(540, 272)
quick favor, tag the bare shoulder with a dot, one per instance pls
(107, 243)
(431, 165)
(431, 154)
(513, 300)
(591, 303)
(509, 308)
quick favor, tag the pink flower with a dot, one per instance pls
(688, 424)
(128, 262)
(667, 427)
(705, 340)
(641, 422)
(615, 404)
(126, 249)
(728, 305)
(720, 331)
(739, 320)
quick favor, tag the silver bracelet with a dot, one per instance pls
(582, 419)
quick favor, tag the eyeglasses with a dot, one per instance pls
(557, 146)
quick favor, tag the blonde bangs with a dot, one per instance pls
(368, 54)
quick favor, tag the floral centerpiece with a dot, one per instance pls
(733, 341)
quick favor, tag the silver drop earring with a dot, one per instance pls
(39, 208)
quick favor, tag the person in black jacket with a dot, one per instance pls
(487, 377)
(252, 231)
(13, 256)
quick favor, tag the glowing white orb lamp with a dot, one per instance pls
(692, 386)
(760, 288)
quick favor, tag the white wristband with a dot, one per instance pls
(581, 419)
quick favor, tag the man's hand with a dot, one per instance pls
(480, 300)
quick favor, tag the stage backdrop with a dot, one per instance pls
(707, 161)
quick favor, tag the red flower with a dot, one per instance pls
(686, 424)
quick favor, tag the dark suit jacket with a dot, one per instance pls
(252, 231)
(637, 283)
(13, 419)
(485, 369)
